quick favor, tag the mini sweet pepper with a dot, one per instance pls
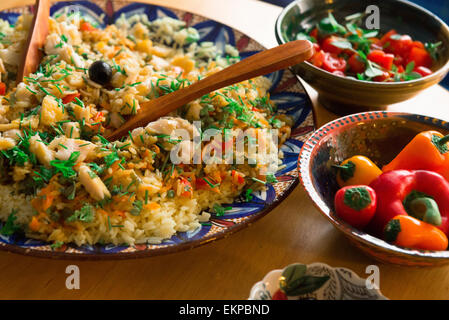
(357, 170)
(409, 232)
(356, 205)
(428, 150)
(420, 193)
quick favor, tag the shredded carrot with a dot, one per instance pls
(34, 224)
(120, 213)
(104, 212)
(152, 206)
(155, 148)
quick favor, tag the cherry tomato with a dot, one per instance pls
(387, 36)
(383, 59)
(317, 59)
(384, 77)
(400, 46)
(423, 71)
(279, 295)
(398, 61)
(314, 33)
(418, 44)
(356, 65)
(2, 88)
(70, 97)
(333, 63)
(339, 73)
(420, 56)
(327, 45)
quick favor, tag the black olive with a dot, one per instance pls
(100, 72)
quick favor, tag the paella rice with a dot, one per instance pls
(62, 181)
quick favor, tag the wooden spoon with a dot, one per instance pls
(280, 57)
(36, 39)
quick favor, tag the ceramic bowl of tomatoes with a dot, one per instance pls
(390, 153)
(357, 67)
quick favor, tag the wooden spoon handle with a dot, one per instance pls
(280, 57)
(36, 40)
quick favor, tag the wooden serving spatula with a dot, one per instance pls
(32, 54)
(277, 58)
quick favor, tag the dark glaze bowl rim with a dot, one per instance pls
(442, 70)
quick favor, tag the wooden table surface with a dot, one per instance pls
(294, 232)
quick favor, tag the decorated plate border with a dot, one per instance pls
(286, 91)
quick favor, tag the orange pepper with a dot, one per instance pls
(429, 150)
(409, 232)
(357, 170)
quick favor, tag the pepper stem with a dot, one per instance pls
(443, 140)
(426, 209)
(346, 171)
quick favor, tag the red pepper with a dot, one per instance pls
(2, 88)
(356, 205)
(419, 193)
(70, 97)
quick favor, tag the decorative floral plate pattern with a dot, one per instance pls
(343, 284)
(286, 92)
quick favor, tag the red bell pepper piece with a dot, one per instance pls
(356, 205)
(70, 97)
(395, 188)
(2, 88)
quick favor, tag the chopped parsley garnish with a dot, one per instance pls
(65, 167)
(85, 214)
(111, 158)
(248, 195)
(10, 227)
(219, 210)
(56, 245)
(137, 208)
(271, 178)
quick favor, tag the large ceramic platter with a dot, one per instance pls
(286, 92)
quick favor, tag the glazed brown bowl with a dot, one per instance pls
(378, 135)
(345, 95)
